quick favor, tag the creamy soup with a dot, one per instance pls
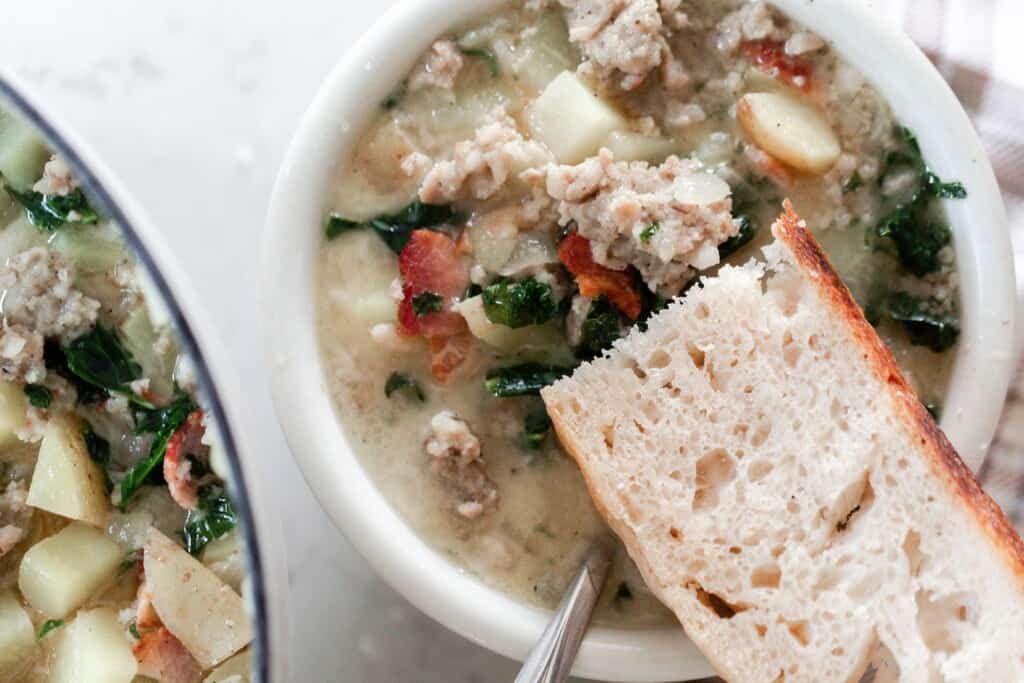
(544, 180)
(119, 557)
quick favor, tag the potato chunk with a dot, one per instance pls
(93, 649)
(570, 120)
(792, 131)
(239, 665)
(12, 412)
(198, 608)
(17, 638)
(66, 481)
(58, 574)
(629, 146)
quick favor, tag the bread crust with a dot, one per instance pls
(943, 460)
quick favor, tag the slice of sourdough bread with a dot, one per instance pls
(784, 491)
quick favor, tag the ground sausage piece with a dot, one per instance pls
(57, 178)
(480, 167)
(39, 293)
(441, 66)
(667, 221)
(21, 355)
(621, 39)
(15, 515)
(455, 455)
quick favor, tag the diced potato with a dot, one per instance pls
(792, 131)
(505, 338)
(66, 481)
(13, 405)
(198, 608)
(493, 236)
(239, 665)
(374, 308)
(572, 121)
(17, 638)
(22, 151)
(90, 250)
(141, 339)
(701, 189)
(629, 146)
(58, 574)
(93, 649)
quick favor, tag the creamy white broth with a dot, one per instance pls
(529, 543)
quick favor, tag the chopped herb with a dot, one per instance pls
(743, 235)
(48, 626)
(483, 53)
(99, 358)
(647, 233)
(524, 379)
(133, 629)
(519, 304)
(602, 326)
(622, 593)
(213, 517)
(397, 382)
(98, 449)
(854, 183)
(910, 224)
(535, 429)
(925, 322)
(473, 290)
(129, 561)
(162, 423)
(38, 396)
(426, 303)
(396, 96)
(934, 410)
(50, 211)
(336, 225)
(396, 228)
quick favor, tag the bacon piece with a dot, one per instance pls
(186, 440)
(447, 354)
(594, 279)
(145, 614)
(162, 657)
(770, 56)
(430, 263)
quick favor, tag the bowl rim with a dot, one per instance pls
(920, 99)
(259, 524)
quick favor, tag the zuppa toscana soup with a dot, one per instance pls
(119, 557)
(546, 179)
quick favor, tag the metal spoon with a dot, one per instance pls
(551, 658)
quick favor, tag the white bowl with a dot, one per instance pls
(345, 103)
(260, 524)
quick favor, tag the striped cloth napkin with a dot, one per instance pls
(976, 45)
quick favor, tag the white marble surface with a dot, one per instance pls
(192, 102)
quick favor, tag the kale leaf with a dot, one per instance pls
(918, 237)
(535, 429)
(483, 53)
(519, 304)
(38, 396)
(161, 423)
(50, 211)
(426, 303)
(213, 517)
(99, 358)
(925, 322)
(523, 380)
(56, 360)
(395, 229)
(602, 326)
(397, 381)
(733, 244)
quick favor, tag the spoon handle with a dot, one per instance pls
(551, 658)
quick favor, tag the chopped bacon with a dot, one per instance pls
(145, 613)
(431, 263)
(594, 279)
(770, 56)
(162, 657)
(186, 440)
(447, 354)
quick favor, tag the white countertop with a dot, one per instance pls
(192, 103)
